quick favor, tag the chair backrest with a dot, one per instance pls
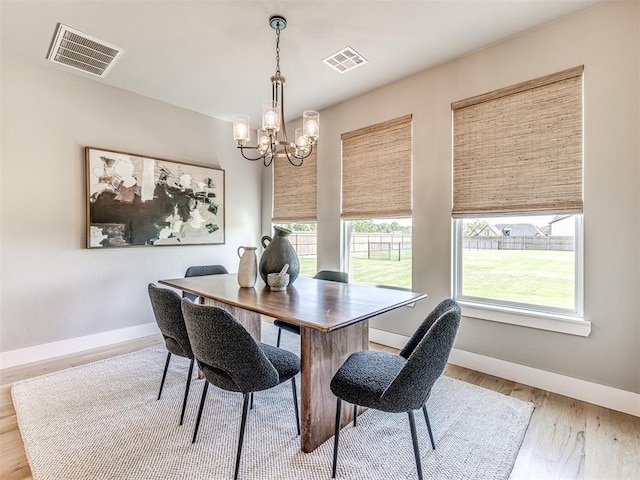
(437, 312)
(200, 271)
(412, 386)
(333, 276)
(219, 341)
(168, 312)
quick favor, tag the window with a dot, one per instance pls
(295, 207)
(379, 251)
(376, 203)
(523, 262)
(517, 197)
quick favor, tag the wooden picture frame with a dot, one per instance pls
(135, 200)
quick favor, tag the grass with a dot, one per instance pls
(537, 277)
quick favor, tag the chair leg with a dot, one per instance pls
(336, 438)
(355, 415)
(204, 395)
(186, 391)
(164, 374)
(414, 438)
(279, 335)
(295, 402)
(426, 417)
(245, 407)
(251, 401)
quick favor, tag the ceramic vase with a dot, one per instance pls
(248, 268)
(278, 251)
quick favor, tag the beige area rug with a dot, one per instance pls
(102, 421)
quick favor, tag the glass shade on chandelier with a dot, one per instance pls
(271, 139)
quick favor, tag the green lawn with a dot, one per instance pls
(538, 277)
(375, 272)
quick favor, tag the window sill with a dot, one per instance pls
(524, 318)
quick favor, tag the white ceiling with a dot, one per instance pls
(217, 56)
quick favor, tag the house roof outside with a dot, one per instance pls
(519, 230)
(510, 230)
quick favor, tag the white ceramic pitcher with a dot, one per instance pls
(248, 268)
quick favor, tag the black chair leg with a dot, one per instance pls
(426, 417)
(295, 403)
(204, 395)
(414, 438)
(164, 374)
(251, 401)
(336, 438)
(279, 335)
(355, 415)
(245, 408)
(186, 391)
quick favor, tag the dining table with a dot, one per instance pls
(334, 322)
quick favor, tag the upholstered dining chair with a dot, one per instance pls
(168, 312)
(401, 382)
(199, 271)
(232, 360)
(330, 275)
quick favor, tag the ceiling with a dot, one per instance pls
(216, 57)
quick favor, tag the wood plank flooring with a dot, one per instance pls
(566, 439)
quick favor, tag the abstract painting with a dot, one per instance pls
(133, 200)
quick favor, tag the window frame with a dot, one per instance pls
(570, 321)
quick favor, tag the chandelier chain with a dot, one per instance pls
(278, 50)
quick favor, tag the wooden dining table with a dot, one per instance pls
(334, 322)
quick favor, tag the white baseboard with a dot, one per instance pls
(609, 397)
(45, 351)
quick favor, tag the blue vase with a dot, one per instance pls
(278, 251)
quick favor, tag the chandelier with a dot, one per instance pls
(272, 137)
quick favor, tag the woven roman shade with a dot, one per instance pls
(295, 190)
(376, 170)
(518, 150)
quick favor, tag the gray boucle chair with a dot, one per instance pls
(399, 383)
(168, 312)
(232, 360)
(199, 271)
(330, 275)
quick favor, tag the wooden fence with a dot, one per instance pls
(390, 246)
(561, 243)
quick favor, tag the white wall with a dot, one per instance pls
(604, 39)
(53, 288)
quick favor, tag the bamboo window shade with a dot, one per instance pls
(518, 150)
(376, 170)
(295, 190)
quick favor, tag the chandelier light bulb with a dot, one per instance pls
(301, 138)
(270, 115)
(263, 142)
(241, 128)
(311, 125)
(302, 143)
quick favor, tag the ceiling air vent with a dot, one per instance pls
(345, 60)
(83, 52)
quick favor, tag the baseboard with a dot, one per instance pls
(609, 397)
(46, 351)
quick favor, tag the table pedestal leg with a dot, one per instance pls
(322, 354)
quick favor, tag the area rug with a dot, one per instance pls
(102, 421)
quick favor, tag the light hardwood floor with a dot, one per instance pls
(566, 438)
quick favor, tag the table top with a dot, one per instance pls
(319, 304)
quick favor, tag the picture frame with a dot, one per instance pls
(134, 200)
